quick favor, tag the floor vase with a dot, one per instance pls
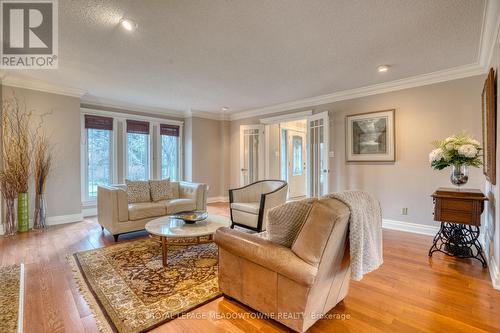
(22, 212)
(10, 218)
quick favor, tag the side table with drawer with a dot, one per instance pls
(459, 211)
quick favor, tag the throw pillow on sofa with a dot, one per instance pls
(285, 221)
(138, 191)
(160, 189)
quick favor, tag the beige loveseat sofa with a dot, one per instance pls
(115, 214)
(295, 286)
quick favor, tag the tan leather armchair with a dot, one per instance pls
(249, 204)
(295, 286)
(115, 214)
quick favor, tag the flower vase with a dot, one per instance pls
(10, 218)
(22, 212)
(39, 220)
(459, 174)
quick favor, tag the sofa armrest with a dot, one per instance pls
(196, 192)
(112, 206)
(265, 253)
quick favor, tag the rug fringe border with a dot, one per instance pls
(102, 323)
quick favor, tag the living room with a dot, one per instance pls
(249, 166)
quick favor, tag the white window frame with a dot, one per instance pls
(158, 151)
(154, 157)
(86, 200)
(150, 150)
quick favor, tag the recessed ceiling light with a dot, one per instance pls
(128, 24)
(224, 108)
(382, 68)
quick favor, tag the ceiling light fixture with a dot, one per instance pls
(128, 24)
(382, 68)
(224, 108)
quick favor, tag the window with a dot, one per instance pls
(169, 136)
(138, 154)
(98, 154)
(297, 155)
(284, 155)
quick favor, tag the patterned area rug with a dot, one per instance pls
(130, 291)
(10, 298)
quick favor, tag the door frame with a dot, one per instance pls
(260, 152)
(303, 136)
(326, 133)
(301, 115)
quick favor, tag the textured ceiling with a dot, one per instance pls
(206, 54)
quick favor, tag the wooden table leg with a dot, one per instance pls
(164, 250)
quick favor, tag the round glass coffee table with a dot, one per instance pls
(185, 233)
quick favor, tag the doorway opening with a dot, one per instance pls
(294, 148)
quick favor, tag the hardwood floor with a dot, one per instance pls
(409, 293)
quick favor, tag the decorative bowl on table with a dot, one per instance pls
(191, 217)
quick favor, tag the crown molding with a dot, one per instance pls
(411, 82)
(11, 80)
(110, 104)
(123, 116)
(207, 115)
(489, 32)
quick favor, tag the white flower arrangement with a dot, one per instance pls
(459, 149)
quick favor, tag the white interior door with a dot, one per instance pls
(317, 162)
(251, 153)
(296, 163)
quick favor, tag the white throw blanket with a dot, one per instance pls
(365, 231)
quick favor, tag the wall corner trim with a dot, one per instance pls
(449, 74)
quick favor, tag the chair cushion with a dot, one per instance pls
(160, 189)
(248, 219)
(138, 191)
(180, 205)
(143, 210)
(284, 222)
(249, 207)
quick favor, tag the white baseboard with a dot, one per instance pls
(88, 212)
(410, 227)
(55, 220)
(494, 272)
(218, 199)
(63, 219)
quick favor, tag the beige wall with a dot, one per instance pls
(207, 154)
(423, 114)
(63, 129)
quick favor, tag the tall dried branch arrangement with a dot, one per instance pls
(16, 145)
(42, 162)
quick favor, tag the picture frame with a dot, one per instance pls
(489, 116)
(370, 137)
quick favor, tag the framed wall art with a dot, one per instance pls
(370, 137)
(489, 113)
